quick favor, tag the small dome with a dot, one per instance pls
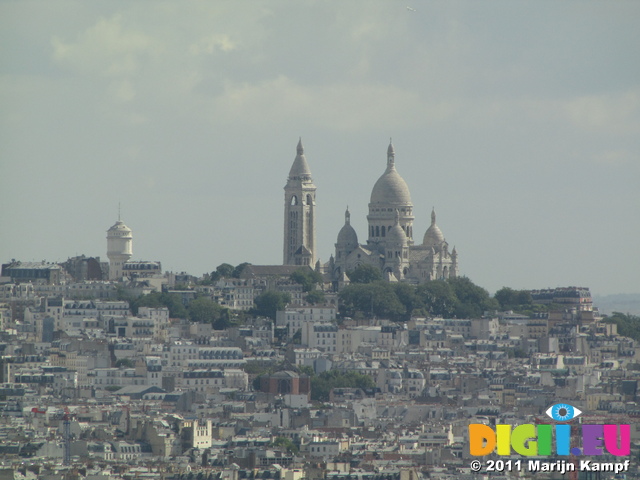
(391, 187)
(396, 235)
(433, 237)
(119, 227)
(300, 167)
(347, 235)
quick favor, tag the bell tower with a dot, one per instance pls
(299, 213)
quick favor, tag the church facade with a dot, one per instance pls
(390, 244)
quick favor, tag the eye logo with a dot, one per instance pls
(563, 412)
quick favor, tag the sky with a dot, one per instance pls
(519, 122)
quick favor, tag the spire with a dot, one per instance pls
(347, 216)
(433, 216)
(300, 167)
(390, 154)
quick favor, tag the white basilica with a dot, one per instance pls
(390, 245)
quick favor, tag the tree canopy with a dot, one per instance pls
(205, 310)
(364, 274)
(157, 300)
(314, 297)
(269, 302)
(371, 299)
(226, 270)
(628, 325)
(306, 277)
(473, 300)
(455, 297)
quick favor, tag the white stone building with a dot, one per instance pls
(119, 248)
(295, 316)
(390, 242)
(299, 213)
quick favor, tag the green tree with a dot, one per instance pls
(125, 363)
(239, 269)
(205, 310)
(438, 298)
(306, 370)
(628, 325)
(408, 297)
(516, 300)
(314, 297)
(371, 299)
(364, 274)
(157, 300)
(224, 270)
(473, 300)
(286, 443)
(269, 302)
(306, 277)
(174, 303)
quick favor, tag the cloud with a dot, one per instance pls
(348, 106)
(615, 158)
(612, 112)
(106, 48)
(122, 90)
(212, 43)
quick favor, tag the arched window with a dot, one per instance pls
(383, 231)
(377, 231)
(309, 200)
(294, 200)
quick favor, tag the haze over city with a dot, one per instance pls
(519, 122)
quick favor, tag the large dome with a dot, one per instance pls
(391, 187)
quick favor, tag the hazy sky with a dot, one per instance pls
(518, 121)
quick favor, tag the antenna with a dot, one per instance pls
(118, 211)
